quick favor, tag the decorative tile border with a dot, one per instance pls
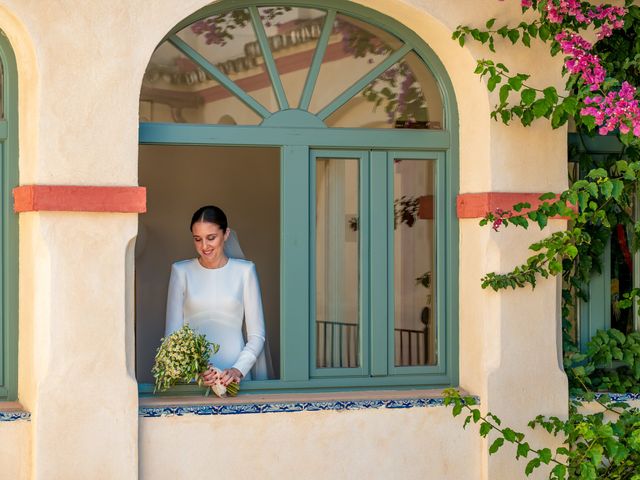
(238, 408)
(14, 416)
(616, 397)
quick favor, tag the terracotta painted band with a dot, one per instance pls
(477, 205)
(72, 198)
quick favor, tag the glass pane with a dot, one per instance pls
(228, 41)
(415, 335)
(293, 34)
(337, 252)
(180, 179)
(176, 90)
(405, 96)
(354, 48)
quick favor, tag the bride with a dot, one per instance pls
(213, 293)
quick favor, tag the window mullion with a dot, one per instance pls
(294, 329)
(379, 265)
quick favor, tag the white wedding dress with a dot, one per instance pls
(215, 302)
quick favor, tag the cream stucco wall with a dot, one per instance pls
(15, 450)
(415, 443)
(80, 71)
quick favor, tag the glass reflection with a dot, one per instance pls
(176, 90)
(337, 253)
(404, 96)
(415, 335)
(354, 48)
(228, 41)
(293, 34)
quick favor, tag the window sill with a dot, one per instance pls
(289, 403)
(13, 411)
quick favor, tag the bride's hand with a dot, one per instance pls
(230, 375)
(211, 377)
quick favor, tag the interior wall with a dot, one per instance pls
(245, 183)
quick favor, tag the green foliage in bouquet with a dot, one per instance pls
(182, 357)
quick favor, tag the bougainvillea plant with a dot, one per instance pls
(598, 94)
(602, 71)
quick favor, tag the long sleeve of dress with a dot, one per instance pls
(254, 320)
(175, 301)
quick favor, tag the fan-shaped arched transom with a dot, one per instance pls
(288, 66)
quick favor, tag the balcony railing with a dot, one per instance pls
(337, 345)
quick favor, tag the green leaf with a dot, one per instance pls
(495, 446)
(531, 466)
(548, 196)
(540, 108)
(560, 471)
(570, 105)
(476, 415)
(571, 251)
(493, 81)
(545, 456)
(597, 173)
(528, 96)
(533, 30)
(544, 33)
(490, 22)
(551, 95)
(516, 83)
(559, 117)
(485, 428)
(513, 35)
(504, 92)
(618, 187)
(523, 450)
(509, 435)
(607, 189)
(542, 220)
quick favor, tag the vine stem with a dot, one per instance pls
(602, 404)
(500, 71)
(497, 428)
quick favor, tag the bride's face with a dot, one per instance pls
(209, 238)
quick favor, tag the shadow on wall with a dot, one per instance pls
(245, 183)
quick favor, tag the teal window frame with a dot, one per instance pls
(301, 135)
(9, 226)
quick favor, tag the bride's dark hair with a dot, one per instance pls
(210, 214)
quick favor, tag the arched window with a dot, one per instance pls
(9, 234)
(328, 134)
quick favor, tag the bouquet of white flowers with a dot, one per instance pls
(183, 357)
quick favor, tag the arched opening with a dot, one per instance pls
(325, 133)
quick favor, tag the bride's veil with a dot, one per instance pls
(263, 368)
